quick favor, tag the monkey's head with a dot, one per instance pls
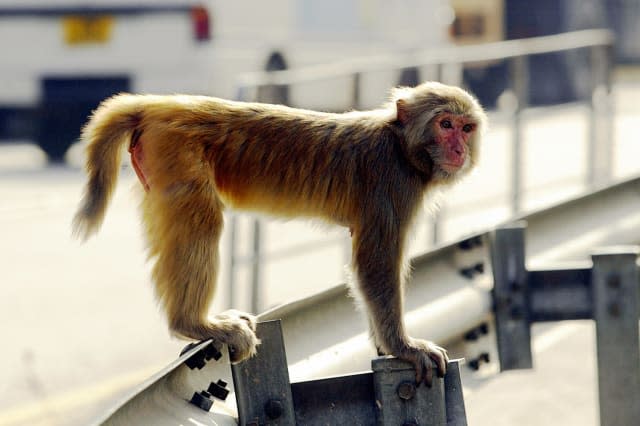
(441, 126)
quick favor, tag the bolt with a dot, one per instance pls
(467, 273)
(516, 286)
(406, 390)
(188, 348)
(613, 281)
(614, 309)
(484, 328)
(465, 245)
(212, 352)
(219, 390)
(273, 409)
(517, 313)
(474, 364)
(470, 243)
(201, 400)
(471, 336)
(197, 360)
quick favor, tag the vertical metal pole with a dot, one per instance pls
(436, 228)
(355, 100)
(400, 402)
(347, 255)
(511, 297)
(453, 395)
(593, 127)
(231, 279)
(241, 94)
(439, 72)
(256, 263)
(451, 73)
(615, 295)
(518, 68)
(600, 153)
(261, 383)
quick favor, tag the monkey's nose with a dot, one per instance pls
(458, 149)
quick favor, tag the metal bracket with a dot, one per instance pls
(560, 294)
(511, 297)
(386, 396)
(262, 384)
(615, 293)
(400, 401)
(607, 293)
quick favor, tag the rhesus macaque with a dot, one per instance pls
(368, 171)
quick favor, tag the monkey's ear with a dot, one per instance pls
(402, 111)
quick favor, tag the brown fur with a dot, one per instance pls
(368, 171)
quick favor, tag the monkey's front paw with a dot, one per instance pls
(232, 314)
(239, 334)
(423, 354)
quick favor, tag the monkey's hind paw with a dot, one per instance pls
(423, 354)
(238, 333)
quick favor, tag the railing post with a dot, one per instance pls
(261, 383)
(400, 401)
(511, 297)
(256, 263)
(615, 294)
(453, 395)
(355, 93)
(601, 115)
(519, 76)
(436, 226)
(451, 73)
(231, 280)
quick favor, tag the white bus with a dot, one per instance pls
(61, 59)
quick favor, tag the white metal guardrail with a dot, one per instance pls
(446, 299)
(449, 295)
(433, 56)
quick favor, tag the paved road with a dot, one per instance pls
(70, 315)
(79, 323)
(560, 390)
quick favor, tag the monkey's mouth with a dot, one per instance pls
(451, 167)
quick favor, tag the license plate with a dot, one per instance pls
(87, 29)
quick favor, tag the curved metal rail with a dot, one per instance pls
(435, 56)
(448, 295)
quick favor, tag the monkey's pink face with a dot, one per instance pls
(453, 133)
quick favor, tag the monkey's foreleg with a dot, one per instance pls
(378, 265)
(184, 222)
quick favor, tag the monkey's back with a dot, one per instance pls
(271, 158)
(291, 162)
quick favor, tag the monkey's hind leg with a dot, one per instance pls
(184, 222)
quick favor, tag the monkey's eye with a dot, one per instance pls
(445, 124)
(467, 128)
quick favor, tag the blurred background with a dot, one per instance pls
(79, 323)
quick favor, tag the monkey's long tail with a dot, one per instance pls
(110, 126)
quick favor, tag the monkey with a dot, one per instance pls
(368, 171)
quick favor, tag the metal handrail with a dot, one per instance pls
(340, 343)
(433, 56)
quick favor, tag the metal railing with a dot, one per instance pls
(341, 344)
(447, 63)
